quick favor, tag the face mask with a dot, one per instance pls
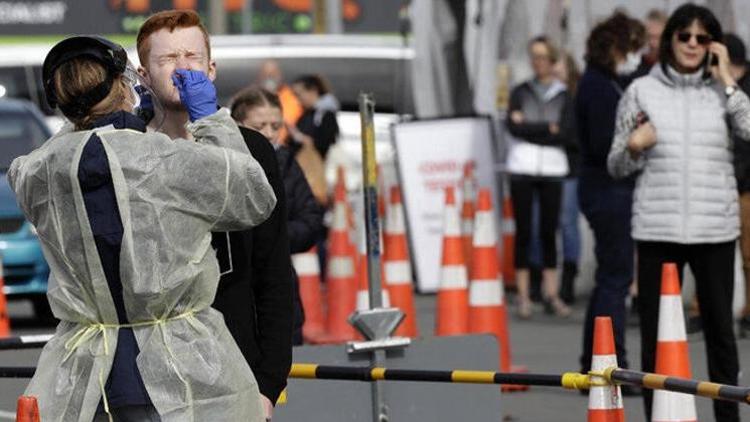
(270, 85)
(145, 102)
(630, 65)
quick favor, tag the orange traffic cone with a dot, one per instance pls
(4, 317)
(453, 296)
(27, 409)
(509, 239)
(468, 196)
(398, 276)
(605, 402)
(341, 280)
(487, 312)
(308, 271)
(672, 356)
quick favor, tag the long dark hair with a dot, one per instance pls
(250, 98)
(620, 32)
(313, 82)
(681, 18)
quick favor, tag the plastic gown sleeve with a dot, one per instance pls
(249, 198)
(620, 162)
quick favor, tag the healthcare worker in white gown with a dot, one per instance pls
(138, 317)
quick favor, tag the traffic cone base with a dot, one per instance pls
(605, 402)
(673, 407)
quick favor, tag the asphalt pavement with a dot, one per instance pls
(544, 344)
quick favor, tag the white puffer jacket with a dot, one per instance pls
(686, 191)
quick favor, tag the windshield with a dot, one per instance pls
(20, 133)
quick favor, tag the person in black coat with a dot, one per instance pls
(606, 203)
(318, 124)
(255, 291)
(260, 109)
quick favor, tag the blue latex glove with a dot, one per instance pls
(197, 93)
(145, 109)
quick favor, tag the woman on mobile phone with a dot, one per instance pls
(674, 130)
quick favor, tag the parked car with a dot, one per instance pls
(22, 129)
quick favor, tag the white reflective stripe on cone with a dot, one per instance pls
(339, 217)
(673, 407)
(452, 226)
(453, 277)
(485, 293)
(340, 267)
(671, 322)
(306, 264)
(363, 300)
(604, 398)
(395, 222)
(397, 273)
(484, 230)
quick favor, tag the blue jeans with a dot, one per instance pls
(569, 231)
(607, 205)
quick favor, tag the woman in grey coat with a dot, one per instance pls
(674, 129)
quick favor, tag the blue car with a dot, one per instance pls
(22, 129)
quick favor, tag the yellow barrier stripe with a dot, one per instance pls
(478, 377)
(654, 381)
(709, 389)
(576, 381)
(303, 370)
(377, 373)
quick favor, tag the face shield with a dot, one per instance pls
(146, 104)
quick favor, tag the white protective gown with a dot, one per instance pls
(171, 194)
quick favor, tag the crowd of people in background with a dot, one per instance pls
(650, 143)
(657, 137)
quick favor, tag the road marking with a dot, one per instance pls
(11, 416)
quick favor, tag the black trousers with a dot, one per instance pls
(713, 267)
(549, 193)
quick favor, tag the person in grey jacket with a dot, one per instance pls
(674, 128)
(541, 124)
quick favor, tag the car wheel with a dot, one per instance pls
(41, 308)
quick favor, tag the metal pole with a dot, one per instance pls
(370, 193)
(247, 17)
(372, 236)
(320, 26)
(334, 17)
(217, 17)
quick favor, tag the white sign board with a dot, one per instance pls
(430, 156)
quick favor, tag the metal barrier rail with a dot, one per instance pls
(568, 380)
(25, 342)
(313, 371)
(681, 385)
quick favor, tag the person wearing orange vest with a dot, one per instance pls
(271, 79)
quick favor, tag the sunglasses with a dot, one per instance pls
(702, 39)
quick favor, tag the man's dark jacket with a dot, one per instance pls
(256, 296)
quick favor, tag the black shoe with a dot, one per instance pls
(744, 326)
(694, 324)
(628, 390)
